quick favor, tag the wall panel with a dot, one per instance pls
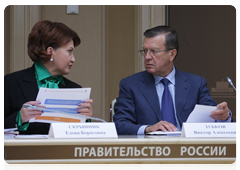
(207, 38)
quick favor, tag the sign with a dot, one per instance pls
(119, 152)
(209, 130)
(83, 130)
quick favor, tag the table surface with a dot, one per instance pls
(149, 139)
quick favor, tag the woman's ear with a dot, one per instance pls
(49, 50)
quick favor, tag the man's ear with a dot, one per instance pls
(173, 54)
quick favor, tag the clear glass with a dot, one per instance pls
(151, 52)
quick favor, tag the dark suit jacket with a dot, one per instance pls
(19, 88)
(138, 102)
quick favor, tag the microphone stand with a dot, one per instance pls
(230, 82)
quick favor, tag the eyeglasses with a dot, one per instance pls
(151, 52)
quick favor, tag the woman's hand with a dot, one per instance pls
(85, 108)
(27, 114)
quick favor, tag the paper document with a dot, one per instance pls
(10, 133)
(201, 113)
(176, 133)
(31, 136)
(10, 130)
(61, 101)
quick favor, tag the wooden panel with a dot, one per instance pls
(207, 46)
(121, 46)
(128, 149)
(88, 70)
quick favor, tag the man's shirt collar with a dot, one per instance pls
(170, 77)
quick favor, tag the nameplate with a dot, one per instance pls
(82, 130)
(209, 130)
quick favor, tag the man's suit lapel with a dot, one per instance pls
(182, 89)
(148, 89)
(28, 84)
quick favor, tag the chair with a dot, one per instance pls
(112, 110)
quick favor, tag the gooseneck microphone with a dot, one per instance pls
(230, 82)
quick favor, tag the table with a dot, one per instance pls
(125, 149)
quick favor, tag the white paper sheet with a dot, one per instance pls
(10, 133)
(201, 113)
(62, 100)
(10, 130)
(31, 136)
(176, 133)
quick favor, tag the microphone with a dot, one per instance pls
(29, 106)
(230, 82)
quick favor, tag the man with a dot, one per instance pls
(162, 97)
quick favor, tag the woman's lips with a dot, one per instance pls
(70, 66)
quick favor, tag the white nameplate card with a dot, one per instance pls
(209, 130)
(82, 130)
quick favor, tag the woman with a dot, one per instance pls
(50, 46)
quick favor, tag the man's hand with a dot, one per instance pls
(221, 113)
(162, 125)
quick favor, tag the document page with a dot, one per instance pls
(176, 133)
(31, 137)
(61, 104)
(201, 114)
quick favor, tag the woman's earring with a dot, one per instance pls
(51, 59)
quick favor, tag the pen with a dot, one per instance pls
(28, 106)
